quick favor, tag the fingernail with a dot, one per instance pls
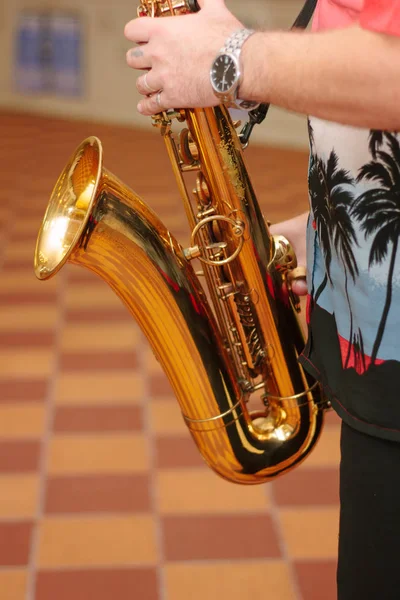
(140, 107)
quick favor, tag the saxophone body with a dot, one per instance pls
(228, 337)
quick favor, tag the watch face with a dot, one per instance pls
(224, 73)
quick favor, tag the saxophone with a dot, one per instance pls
(228, 337)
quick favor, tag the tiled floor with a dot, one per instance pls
(102, 494)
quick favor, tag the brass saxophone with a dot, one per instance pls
(224, 345)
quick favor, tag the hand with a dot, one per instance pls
(177, 53)
(294, 230)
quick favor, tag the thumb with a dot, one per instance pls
(299, 287)
(298, 281)
(215, 4)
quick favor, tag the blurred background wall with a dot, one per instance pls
(108, 90)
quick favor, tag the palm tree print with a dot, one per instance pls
(375, 141)
(359, 353)
(320, 203)
(378, 210)
(311, 139)
(331, 201)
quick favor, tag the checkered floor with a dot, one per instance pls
(102, 494)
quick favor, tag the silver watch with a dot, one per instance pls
(226, 73)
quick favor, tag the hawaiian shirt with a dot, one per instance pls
(353, 261)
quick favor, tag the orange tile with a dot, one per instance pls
(20, 339)
(327, 451)
(175, 221)
(100, 584)
(33, 363)
(91, 337)
(93, 314)
(98, 454)
(332, 418)
(31, 318)
(19, 456)
(122, 361)
(16, 539)
(311, 533)
(5, 214)
(177, 451)
(128, 493)
(18, 496)
(159, 385)
(13, 585)
(99, 388)
(26, 390)
(26, 281)
(317, 579)
(166, 417)
(22, 420)
(83, 295)
(22, 298)
(202, 491)
(90, 419)
(153, 365)
(18, 250)
(27, 225)
(308, 486)
(97, 541)
(233, 580)
(220, 537)
(74, 275)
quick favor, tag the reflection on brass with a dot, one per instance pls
(285, 256)
(162, 8)
(235, 340)
(297, 273)
(188, 149)
(222, 259)
(203, 192)
(191, 253)
(227, 153)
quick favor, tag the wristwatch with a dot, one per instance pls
(226, 71)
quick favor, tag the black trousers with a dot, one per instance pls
(369, 539)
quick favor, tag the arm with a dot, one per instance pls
(350, 76)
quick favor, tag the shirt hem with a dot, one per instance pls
(366, 427)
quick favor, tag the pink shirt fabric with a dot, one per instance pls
(376, 15)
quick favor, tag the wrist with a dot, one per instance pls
(253, 60)
(226, 71)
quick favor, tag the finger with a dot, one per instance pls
(139, 30)
(211, 3)
(138, 58)
(152, 105)
(299, 287)
(147, 84)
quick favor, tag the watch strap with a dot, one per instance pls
(236, 40)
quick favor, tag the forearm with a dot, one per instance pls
(350, 76)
